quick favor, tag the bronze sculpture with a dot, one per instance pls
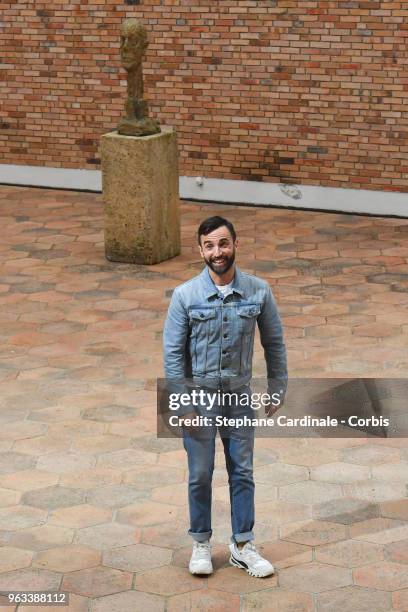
(133, 44)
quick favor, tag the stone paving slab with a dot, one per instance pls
(92, 502)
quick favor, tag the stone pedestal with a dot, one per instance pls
(140, 185)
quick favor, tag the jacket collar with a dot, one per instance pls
(210, 289)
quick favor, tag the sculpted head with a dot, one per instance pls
(133, 43)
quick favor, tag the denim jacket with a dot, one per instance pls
(210, 338)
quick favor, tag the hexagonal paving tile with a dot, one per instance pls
(314, 577)
(126, 459)
(204, 599)
(5, 445)
(129, 601)
(153, 477)
(108, 535)
(308, 455)
(312, 533)
(41, 538)
(176, 494)
(83, 515)
(370, 455)
(100, 444)
(76, 429)
(67, 558)
(380, 530)
(89, 479)
(15, 462)
(175, 458)
(350, 553)
(277, 600)
(383, 575)
(265, 456)
(280, 474)
(8, 497)
(22, 429)
(397, 509)
(391, 471)
(279, 512)
(310, 492)
(167, 580)
(54, 497)
(30, 580)
(171, 535)
(137, 558)
(235, 580)
(96, 582)
(20, 517)
(65, 462)
(146, 513)
(55, 414)
(285, 554)
(400, 600)
(116, 496)
(398, 551)
(154, 444)
(14, 413)
(353, 598)
(41, 445)
(110, 413)
(29, 480)
(346, 511)
(339, 472)
(375, 490)
(14, 558)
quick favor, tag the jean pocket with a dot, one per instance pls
(201, 315)
(247, 316)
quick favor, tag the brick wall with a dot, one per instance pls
(305, 91)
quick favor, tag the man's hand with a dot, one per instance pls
(271, 409)
(189, 415)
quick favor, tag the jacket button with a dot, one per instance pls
(225, 318)
(201, 315)
(225, 336)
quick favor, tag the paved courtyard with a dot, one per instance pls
(93, 504)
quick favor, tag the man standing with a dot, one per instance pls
(208, 339)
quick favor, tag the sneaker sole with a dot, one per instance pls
(194, 573)
(242, 565)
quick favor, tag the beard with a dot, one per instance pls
(224, 263)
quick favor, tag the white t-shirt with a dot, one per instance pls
(225, 289)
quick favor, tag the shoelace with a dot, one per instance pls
(202, 546)
(250, 550)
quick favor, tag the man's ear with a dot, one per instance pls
(236, 242)
(201, 251)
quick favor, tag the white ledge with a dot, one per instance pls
(382, 203)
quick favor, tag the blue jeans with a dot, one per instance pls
(238, 451)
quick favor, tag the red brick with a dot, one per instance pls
(233, 78)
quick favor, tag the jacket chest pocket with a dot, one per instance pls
(202, 320)
(247, 315)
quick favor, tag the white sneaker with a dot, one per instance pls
(249, 559)
(200, 562)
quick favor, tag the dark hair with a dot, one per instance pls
(213, 223)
